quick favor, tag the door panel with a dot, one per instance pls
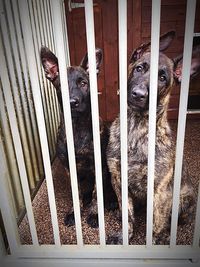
(106, 34)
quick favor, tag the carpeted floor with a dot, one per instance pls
(112, 223)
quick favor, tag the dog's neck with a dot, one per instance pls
(83, 120)
(143, 116)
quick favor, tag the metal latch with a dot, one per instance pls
(73, 5)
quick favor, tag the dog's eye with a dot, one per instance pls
(83, 83)
(162, 78)
(139, 68)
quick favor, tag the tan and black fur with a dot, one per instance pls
(138, 103)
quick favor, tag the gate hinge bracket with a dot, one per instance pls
(73, 5)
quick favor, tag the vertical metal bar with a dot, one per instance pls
(122, 20)
(59, 41)
(8, 50)
(56, 111)
(89, 19)
(26, 26)
(49, 86)
(187, 54)
(14, 182)
(9, 219)
(17, 144)
(42, 41)
(155, 33)
(49, 25)
(40, 11)
(27, 84)
(38, 38)
(65, 34)
(53, 45)
(22, 91)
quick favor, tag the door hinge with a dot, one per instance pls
(73, 5)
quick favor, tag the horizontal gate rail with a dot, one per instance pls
(109, 251)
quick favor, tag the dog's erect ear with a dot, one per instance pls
(84, 62)
(49, 63)
(138, 52)
(195, 64)
(165, 41)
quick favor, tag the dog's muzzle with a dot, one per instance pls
(139, 97)
(74, 103)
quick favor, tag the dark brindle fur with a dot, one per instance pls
(138, 97)
(79, 92)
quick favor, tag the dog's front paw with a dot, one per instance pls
(92, 220)
(114, 240)
(161, 239)
(112, 205)
(69, 219)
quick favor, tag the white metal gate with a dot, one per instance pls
(28, 38)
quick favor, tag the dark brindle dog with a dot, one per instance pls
(79, 92)
(138, 100)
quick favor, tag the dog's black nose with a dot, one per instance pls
(139, 94)
(74, 102)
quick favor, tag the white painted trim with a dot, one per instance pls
(155, 33)
(96, 262)
(57, 6)
(187, 54)
(89, 19)
(122, 22)
(108, 252)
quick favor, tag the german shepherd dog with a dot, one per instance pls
(169, 72)
(79, 92)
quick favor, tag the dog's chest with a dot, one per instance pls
(137, 140)
(83, 144)
(83, 140)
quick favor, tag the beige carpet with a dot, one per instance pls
(90, 235)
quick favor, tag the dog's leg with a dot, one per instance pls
(162, 212)
(131, 216)
(69, 219)
(92, 218)
(114, 168)
(162, 209)
(186, 204)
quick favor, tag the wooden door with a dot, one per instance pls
(139, 30)
(106, 34)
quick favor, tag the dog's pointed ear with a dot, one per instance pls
(195, 65)
(165, 41)
(138, 52)
(49, 63)
(99, 56)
